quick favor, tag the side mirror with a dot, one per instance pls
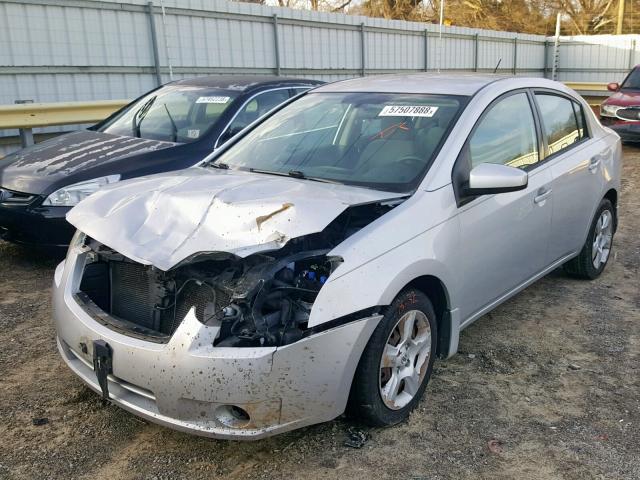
(490, 178)
(613, 86)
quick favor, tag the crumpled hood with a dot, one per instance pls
(163, 219)
(34, 169)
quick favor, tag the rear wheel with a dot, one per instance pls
(595, 253)
(396, 365)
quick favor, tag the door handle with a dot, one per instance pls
(542, 195)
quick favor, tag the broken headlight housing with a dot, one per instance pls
(609, 110)
(71, 195)
(267, 300)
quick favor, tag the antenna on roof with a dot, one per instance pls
(497, 65)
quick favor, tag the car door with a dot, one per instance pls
(575, 160)
(504, 235)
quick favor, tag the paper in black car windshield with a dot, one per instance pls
(408, 111)
(216, 99)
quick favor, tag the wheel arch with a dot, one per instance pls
(435, 289)
(612, 196)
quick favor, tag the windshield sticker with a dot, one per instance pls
(408, 111)
(213, 99)
(193, 133)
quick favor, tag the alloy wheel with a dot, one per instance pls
(405, 359)
(602, 239)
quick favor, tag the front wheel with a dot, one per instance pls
(396, 364)
(595, 253)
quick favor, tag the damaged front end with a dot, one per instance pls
(262, 300)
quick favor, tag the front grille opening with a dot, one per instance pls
(146, 301)
(631, 113)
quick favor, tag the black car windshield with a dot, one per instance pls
(376, 140)
(632, 82)
(173, 113)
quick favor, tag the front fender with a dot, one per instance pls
(378, 281)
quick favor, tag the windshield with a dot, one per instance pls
(173, 113)
(375, 140)
(632, 82)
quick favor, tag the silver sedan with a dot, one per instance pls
(322, 260)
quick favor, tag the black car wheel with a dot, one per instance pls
(596, 251)
(396, 365)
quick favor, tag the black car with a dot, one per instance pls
(170, 128)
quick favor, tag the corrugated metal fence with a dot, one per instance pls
(74, 50)
(597, 58)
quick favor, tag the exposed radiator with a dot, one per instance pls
(134, 294)
(143, 296)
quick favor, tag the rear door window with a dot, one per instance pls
(298, 91)
(255, 108)
(560, 123)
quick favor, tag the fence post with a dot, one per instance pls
(632, 54)
(515, 55)
(26, 134)
(154, 42)
(362, 50)
(276, 43)
(545, 68)
(476, 41)
(426, 50)
(556, 48)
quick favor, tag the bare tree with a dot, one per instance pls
(526, 16)
(588, 16)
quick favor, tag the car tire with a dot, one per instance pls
(408, 362)
(596, 251)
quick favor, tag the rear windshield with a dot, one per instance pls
(632, 82)
(375, 140)
(173, 113)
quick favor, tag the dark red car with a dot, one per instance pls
(621, 111)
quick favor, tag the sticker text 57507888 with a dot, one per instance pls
(408, 111)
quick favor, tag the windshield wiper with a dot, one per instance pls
(142, 111)
(297, 174)
(301, 175)
(218, 165)
(293, 174)
(173, 124)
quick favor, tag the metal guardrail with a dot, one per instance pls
(30, 115)
(587, 86)
(26, 116)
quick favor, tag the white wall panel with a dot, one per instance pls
(61, 50)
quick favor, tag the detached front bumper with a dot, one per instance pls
(190, 385)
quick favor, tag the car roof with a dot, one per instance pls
(435, 83)
(245, 83)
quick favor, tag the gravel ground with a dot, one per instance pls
(545, 387)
